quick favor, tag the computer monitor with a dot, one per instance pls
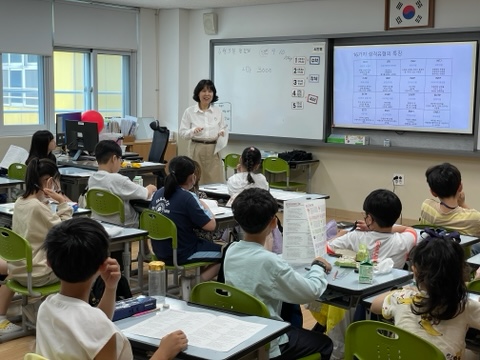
(81, 136)
(60, 120)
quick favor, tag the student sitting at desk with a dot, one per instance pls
(32, 218)
(259, 272)
(245, 177)
(179, 204)
(451, 211)
(383, 239)
(438, 309)
(67, 326)
(42, 145)
(109, 157)
(203, 234)
(378, 231)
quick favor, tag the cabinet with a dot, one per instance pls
(142, 147)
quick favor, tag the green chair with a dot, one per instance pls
(229, 298)
(231, 161)
(275, 165)
(17, 171)
(369, 339)
(474, 286)
(105, 203)
(13, 247)
(161, 228)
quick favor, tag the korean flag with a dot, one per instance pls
(409, 13)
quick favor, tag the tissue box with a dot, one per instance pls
(356, 139)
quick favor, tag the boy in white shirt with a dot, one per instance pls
(67, 326)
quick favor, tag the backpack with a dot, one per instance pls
(295, 155)
(96, 293)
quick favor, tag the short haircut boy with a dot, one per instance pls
(76, 248)
(253, 209)
(105, 149)
(444, 180)
(383, 206)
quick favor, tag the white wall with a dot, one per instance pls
(346, 175)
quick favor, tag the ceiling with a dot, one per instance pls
(190, 4)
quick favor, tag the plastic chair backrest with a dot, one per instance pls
(275, 165)
(32, 356)
(13, 247)
(159, 142)
(228, 297)
(17, 171)
(231, 161)
(474, 286)
(159, 228)
(373, 340)
(105, 203)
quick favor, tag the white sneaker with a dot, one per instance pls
(7, 327)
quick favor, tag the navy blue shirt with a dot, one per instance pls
(185, 210)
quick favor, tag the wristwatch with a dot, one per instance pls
(321, 264)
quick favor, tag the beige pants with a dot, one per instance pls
(211, 164)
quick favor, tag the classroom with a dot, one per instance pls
(173, 54)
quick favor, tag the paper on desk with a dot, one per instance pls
(222, 141)
(15, 154)
(204, 330)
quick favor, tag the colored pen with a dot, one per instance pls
(147, 312)
(354, 226)
(335, 275)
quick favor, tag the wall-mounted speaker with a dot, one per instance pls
(210, 23)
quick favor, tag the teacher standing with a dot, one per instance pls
(202, 124)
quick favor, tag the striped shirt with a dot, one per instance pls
(465, 221)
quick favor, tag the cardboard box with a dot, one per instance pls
(356, 139)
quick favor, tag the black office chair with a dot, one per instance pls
(158, 149)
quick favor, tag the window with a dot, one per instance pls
(92, 80)
(22, 78)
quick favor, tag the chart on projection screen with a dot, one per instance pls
(272, 89)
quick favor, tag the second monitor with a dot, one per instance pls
(81, 136)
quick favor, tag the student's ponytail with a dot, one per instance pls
(251, 157)
(179, 168)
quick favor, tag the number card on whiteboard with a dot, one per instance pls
(271, 87)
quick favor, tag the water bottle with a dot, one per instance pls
(157, 281)
(138, 180)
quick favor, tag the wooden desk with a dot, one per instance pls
(142, 147)
(273, 329)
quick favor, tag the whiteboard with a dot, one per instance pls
(272, 87)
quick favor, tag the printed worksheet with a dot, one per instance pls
(220, 333)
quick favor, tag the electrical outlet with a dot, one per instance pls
(398, 179)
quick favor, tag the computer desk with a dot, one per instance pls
(273, 329)
(145, 167)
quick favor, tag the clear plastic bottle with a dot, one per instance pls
(138, 180)
(157, 281)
